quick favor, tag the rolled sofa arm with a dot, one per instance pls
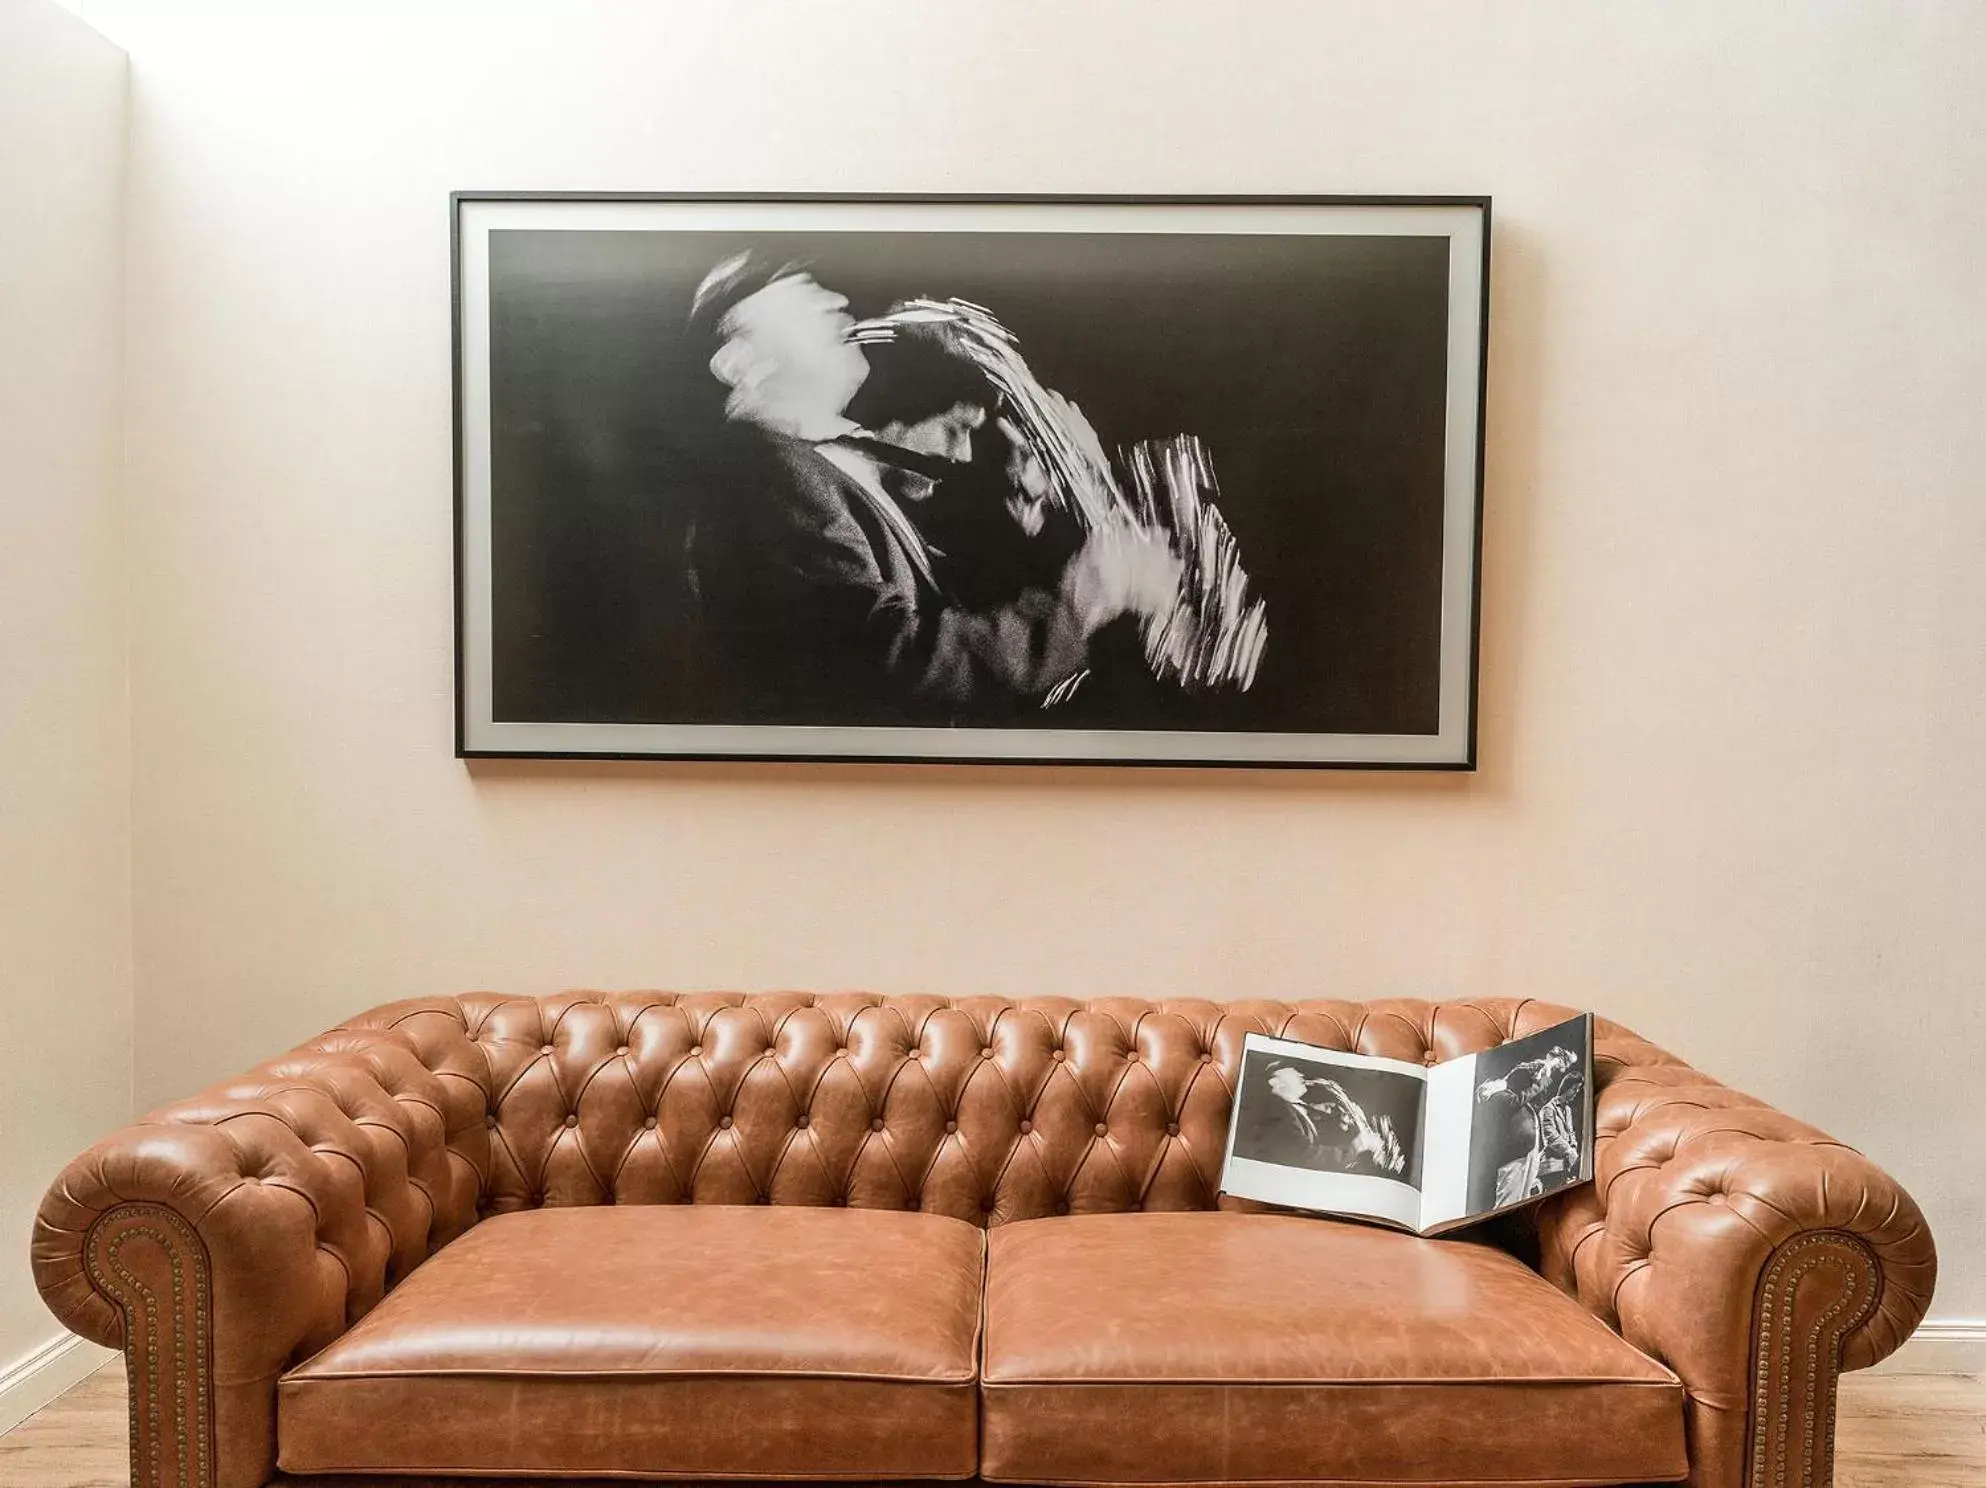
(1754, 1255)
(224, 1237)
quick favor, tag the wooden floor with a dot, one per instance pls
(1895, 1431)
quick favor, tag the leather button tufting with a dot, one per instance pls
(800, 1123)
(1102, 1130)
(1172, 1128)
(649, 1124)
(490, 1122)
(876, 1125)
(1058, 1056)
(950, 1127)
(622, 1051)
(571, 1120)
(1062, 1208)
(987, 1052)
(696, 1048)
(1026, 1127)
(544, 1048)
(1206, 1059)
(725, 1122)
(913, 1206)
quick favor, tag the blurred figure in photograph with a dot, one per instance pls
(1313, 1123)
(819, 599)
(1159, 489)
(980, 495)
(1533, 1109)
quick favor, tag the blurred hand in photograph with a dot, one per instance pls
(1124, 570)
(1027, 473)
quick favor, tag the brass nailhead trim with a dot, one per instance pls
(1791, 1265)
(189, 1366)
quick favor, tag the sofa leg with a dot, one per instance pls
(1817, 1289)
(148, 1261)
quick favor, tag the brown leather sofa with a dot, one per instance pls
(854, 1238)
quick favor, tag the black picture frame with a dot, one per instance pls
(1451, 746)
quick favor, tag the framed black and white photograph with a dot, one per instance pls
(1107, 480)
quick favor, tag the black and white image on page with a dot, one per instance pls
(1528, 1129)
(1528, 1113)
(1317, 1129)
(1514, 1124)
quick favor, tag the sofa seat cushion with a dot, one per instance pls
(1258, 1348)
(660, 1341)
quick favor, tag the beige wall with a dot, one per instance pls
(65, 720)
(1734, 665)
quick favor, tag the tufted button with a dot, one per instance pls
(1206, 1059)
(1063, 1207)
(571, 1119)
(950, 1127)
(490, 1122)
(1026, 1127)
(725, 1122)
(1717, 1198)
(1172, 1128)
(985, 1206)
(696, 1048)
(841, 1201)
(1102, 1130)
(1058, 1056)
(622, 1051)
(800, 1121)
(877, 1124)
(544, 1048)
(763, 1199)
(914, 1205)
(1430, 1059)
(649, 1124)
(987, 1052)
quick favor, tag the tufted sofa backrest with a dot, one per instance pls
(985, 1109)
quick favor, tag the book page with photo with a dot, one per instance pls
(1517, 1123)
(1318, 1129)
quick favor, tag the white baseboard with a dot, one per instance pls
(1941, 1346)
(41, 1374)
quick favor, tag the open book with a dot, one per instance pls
(1423, 1148)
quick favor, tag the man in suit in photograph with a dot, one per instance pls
(819, 600)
